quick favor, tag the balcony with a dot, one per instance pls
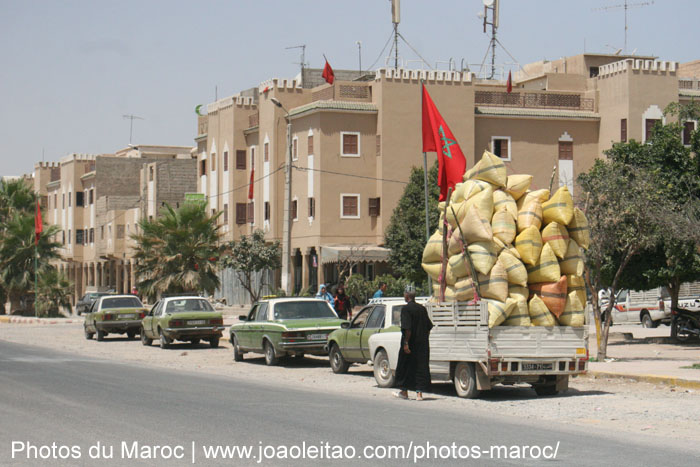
(253, 120)
(202, 125)
(689, 84)
(534, 100)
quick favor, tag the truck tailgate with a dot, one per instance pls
(537, 341)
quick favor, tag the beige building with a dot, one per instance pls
(355, 142)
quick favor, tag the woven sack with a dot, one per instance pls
(513, 251)
(537, 195)
(483, 255)
(457, 269)
(483, 201)
(579, 230)
(560, 208)
(539, 313)
(574, 313)
(515, 269)
(495, 284)
(433, 249)
(463, 290)
(517, 185)
(469, 174)
(504, 201)
(499, 311)
(503, 226)
(530, 215)
(518, 291)
(520, 315)
(468, 189)
(577, 284)
(500, 246)
(556, 236)
(573, 261)
(458, 209)
(546, 269)
(475, 227)
(529, 245)
(553, 294)
(432, 269)
(490, 169)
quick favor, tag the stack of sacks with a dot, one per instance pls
(525, 247)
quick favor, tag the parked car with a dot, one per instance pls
(189, 319)
(284, 326)
(86, 301)
(351, 343)
(114, 314)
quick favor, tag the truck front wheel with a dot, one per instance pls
(465, 380)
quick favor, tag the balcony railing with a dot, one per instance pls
(690, 83)
(253, 120)
(534, 100)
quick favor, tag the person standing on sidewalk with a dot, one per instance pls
(381, 291)
(412, 369)
(342, 304)
(324, 295)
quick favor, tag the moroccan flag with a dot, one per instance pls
(252, 180)
(438, 138)
(328, 74)
(509, 84)
(38, 224)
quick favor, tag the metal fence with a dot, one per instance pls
(233, 291)
(533, 100)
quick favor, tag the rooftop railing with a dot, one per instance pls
(534, 100)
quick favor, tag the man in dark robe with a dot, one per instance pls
(412, 369)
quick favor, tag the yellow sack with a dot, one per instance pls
(560, 208)
(432, 269)
(500, 246)
(578, 229)
(529, 245)
(520, 315)
(539, 314)
(574, 313)
(433, 249)
(577, 284)
(475, 227)
(515, 269)
(457, 194)
(503, 201)
(483, 201)
(514, 251)
(517, 185)
(483, 255)
(553, 294)
(538, 195)
(490, 169)
(468, 189)
(503, 226)
(556, 236)
(499, 311)
(495, 284)
(457, 269)
(469, 174)
(530, 215)
(573, 261)
(546, 269)
(518, 291)
(459, 209)
(463, 290)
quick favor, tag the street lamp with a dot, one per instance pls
(287, 226)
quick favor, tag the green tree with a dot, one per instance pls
(249, 256)
(15, 196)
(54, 293)
(405, 235)
(178, 252)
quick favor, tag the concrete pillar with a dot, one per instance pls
(321, 272)
(305, 271)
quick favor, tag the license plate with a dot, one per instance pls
(129, 316)
(537, 366)
(316, 337)
(196, 321)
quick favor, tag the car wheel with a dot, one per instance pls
(144, 339)
(237, 354)
(270, 357)
(465, 380)
(130, 334)
(88, 334)
(214, 342)
(164, 341)
(382, 370)
(194, 341)
(647, 321)
(338, 363)
(100, 333)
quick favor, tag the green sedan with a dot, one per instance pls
(284, 326)
(188, 319)
(114, 314)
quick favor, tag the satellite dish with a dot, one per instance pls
(488, 3)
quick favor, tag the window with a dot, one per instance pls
(349, 144)
(295, 148)
(213, 162)
(688, 129)
(63, 237)
(79, 237)
(376, 319)
(240, 160)
(225, 212)
(69, 237)
(251, 213)
(593, 71)
(267, 210)
(203, 167)
(623, 130)
(150, 173)
(649, 125)
(312, 208)
(70, 199)
(294, 209)
(92, 236)
(310, 144)
(500, 146)
(374, 207)
(102, 232)
(566, 150)
(266, 152)
(63, 201)
(241, 213)
(92, 195)
(225, 161)
(120, 231)
(349, 206)
(79, 198)
(55, 200)
(379, 145)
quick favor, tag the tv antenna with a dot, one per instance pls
(626, 6)
(131, 123)
(302, 58)
(492, 6)
(396, 19)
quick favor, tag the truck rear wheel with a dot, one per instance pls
(647, 322)
(465, 380)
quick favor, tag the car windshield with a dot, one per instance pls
(186, 305)
(303, 310)
(121, 302)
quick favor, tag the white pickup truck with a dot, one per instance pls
(463, 349)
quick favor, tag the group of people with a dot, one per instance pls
(341, 302)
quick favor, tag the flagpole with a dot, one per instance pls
(425, 182)
(36, 279)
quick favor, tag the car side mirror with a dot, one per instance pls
(345, 324)
(242, 317)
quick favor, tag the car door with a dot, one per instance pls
(243, 330)
(258, 328)
(373, 324)
(150, 319)
(352, 349)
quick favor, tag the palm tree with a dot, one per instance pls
(54, 292)
(178, 252)
(15, 196)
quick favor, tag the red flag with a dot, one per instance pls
(437, 137)
(38, 224)
(328, 74)
(252, 180)
(509, 84)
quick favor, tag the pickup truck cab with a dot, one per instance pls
(114, 314)
(638, 306)
(189, 319)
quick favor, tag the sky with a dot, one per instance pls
(70, 69)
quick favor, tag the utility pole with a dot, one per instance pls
(131, 123)
(359, 54)
(302, 59)
(626, 6)
(287, 227)
(493, 6)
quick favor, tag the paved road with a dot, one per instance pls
(49, 397)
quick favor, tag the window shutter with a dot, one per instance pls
(225, 161)
(623, 130)
(312, 207)
(650, 123)
(294, 209)
(688, 128)
(310, 149)
(350, 144)
(240, 159)
(241, 213)
(266, 152)
(226, 214)
(349, 206)
(374, 207)
(251, 213)
(267, 210)
(566, 150)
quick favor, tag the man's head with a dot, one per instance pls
(341, 289)
(409, 293)
(382, 286)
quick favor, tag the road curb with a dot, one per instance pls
(30, 320)
(654, 379)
